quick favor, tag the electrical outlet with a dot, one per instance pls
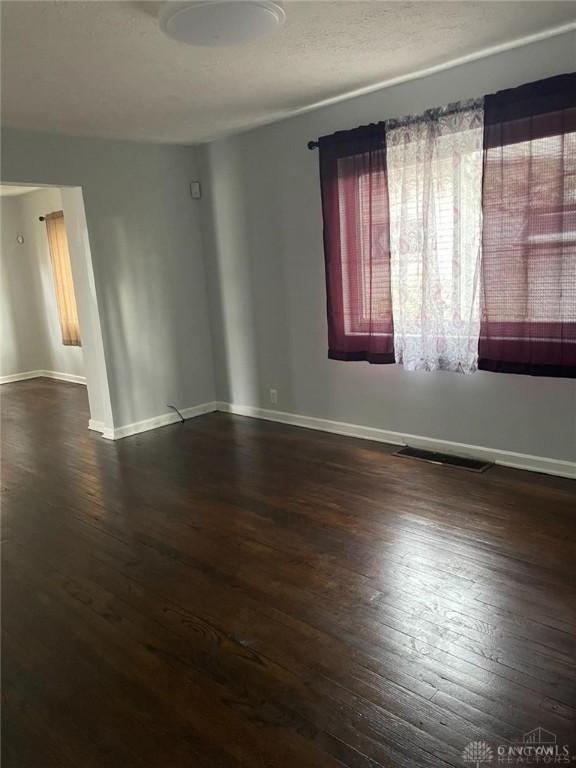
(274, 396)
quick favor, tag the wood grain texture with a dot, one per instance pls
(232, 592)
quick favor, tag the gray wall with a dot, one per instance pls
(25, 343)
(29, 289)
(148, 263)
(261, 223)
(264, 241)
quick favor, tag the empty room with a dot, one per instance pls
(288, 385)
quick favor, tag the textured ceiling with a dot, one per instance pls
(103, 68)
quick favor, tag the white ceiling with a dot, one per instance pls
(9, 190)
(104, 68)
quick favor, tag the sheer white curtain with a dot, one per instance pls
(435, 189)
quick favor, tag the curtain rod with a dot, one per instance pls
(427, 115)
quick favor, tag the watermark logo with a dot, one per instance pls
(538, 746)
(539, 736)
(477, 752)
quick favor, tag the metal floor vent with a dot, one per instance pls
(472, 465)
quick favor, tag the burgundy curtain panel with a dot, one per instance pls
(529, 230)
(357, 244)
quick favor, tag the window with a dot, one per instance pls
(365, 248)
(357, 245)
(529, 230)
(450, 238)
(62, 275)
(435, 183)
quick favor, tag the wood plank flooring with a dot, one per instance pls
(231, 592)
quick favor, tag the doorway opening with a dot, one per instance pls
(50, 318)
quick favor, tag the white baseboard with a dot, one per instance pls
(157, 421)
(70, 377)
(525, 461)
(498, 456)
(21, 376)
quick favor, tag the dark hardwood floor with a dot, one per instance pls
(231, 592)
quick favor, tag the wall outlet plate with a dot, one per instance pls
(274, 396)
(195, 190)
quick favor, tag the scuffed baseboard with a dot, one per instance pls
(60, 376)
(505, 458)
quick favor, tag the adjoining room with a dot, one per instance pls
(41, 326)
(288, 386)
(51, 325)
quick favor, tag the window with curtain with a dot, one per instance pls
(435, 183)
(357, 245)
(450, 237)
(529, 230)
(62, 276)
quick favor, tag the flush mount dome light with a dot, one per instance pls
(221, 22)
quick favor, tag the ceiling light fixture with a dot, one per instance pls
(221, 22)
